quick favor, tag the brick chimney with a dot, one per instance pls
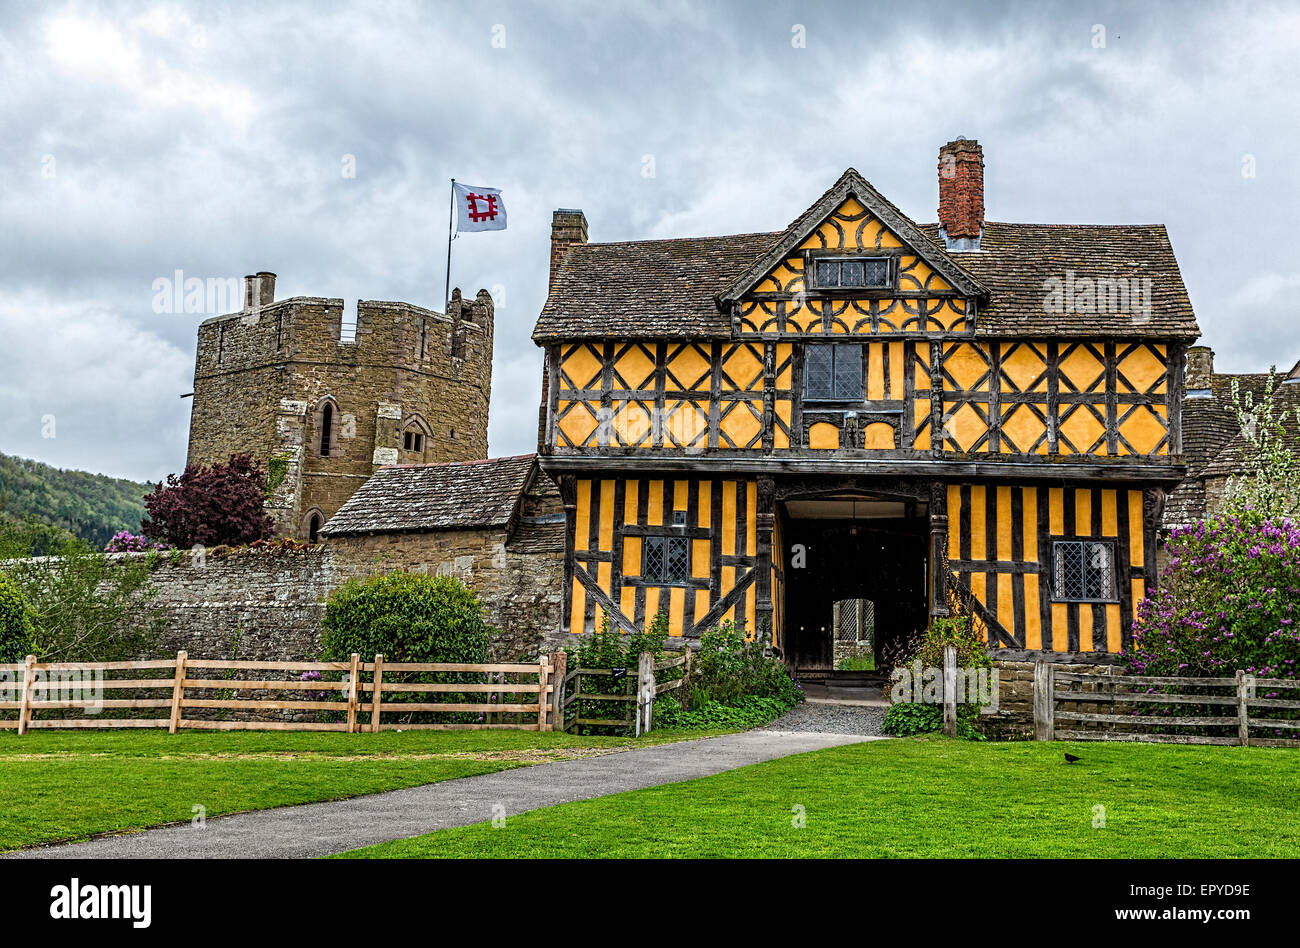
(961, 194)
(568, 227)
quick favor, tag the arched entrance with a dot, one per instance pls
(856, 560)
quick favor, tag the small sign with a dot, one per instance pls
(618, 674)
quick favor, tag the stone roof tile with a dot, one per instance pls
(417, 498)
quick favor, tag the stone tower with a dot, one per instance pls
(320, 410)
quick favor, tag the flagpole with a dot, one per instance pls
(451, 217)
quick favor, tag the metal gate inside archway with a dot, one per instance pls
(854, 621)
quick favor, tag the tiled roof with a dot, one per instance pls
(1015, 260)
(668, 288)
(1210, 431)
(647, 288)
(424, 497)
(1232, 459)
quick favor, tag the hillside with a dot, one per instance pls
(92, 506)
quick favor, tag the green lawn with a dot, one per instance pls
(60, 785)
(926, 797)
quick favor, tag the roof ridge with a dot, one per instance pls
(429, 464)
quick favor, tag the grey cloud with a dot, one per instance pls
(223, 157)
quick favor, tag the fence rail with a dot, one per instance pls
(358, 702)
(1111, 694)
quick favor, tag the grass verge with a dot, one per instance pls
(66, 785)
(925, 797)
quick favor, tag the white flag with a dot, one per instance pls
(478, 208)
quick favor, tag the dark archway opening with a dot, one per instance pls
(313, 528)
(880, 559)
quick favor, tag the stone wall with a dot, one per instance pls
(273, 602)
(1014, 719)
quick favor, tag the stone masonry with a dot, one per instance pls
(321, 411)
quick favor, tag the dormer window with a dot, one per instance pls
(413, 441)
(839, 273)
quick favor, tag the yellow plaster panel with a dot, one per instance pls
(583, 367)
(606, 527)
(1136, 538)
(823, 436)
(1030, 505)
(1109, 525)
(634, 369)
(728, 520)
(879, 436)
(580, 423)
(688, 370)
(1025, 429)
(655, 504)
(1004, 525)
(700, 559)
(978, 545)
(582, 515)
(966, 364)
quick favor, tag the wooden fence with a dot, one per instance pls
(638, 693)
(358, 700)
(1124, 713)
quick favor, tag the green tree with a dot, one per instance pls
(15, 622)
(85, 604)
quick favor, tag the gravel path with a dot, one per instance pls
(831, 719)
(318, 829)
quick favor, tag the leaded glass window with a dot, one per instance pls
(832, 372)
(1084, 570)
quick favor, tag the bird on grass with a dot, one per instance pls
(1070, 758)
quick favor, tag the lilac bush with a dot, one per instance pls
(124, 541)
(1229, 599)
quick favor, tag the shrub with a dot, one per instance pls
(748, 712)
(16, 630)
(221, 504)
(124, 541)
(906, 717)
(406, 617)
(1229, 599)
(729, 667)
(412, 617)
(734, 684)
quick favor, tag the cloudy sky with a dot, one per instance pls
(142, 139)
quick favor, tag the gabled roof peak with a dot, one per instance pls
(852, 184)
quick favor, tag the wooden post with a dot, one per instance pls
(376, 696)
(543, 666)
(1245, 689)
(178, 692)
(1044, 701)
(353, 675)
(950, 690)
(25, 702)
(645, 697)
(684, 694)
(560, 670)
